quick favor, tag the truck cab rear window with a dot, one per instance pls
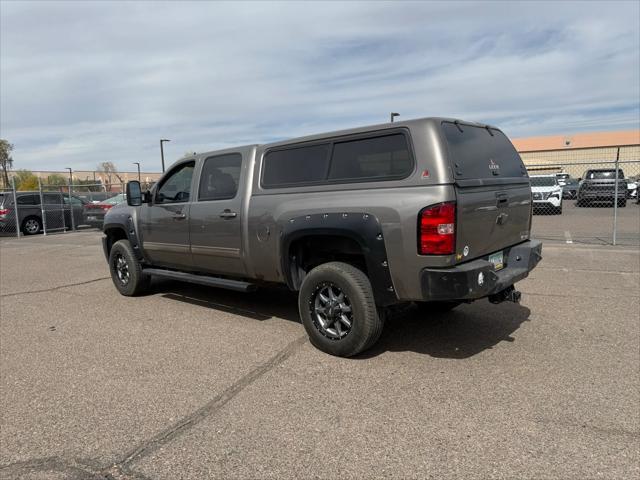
(477, 153)
(385, 157)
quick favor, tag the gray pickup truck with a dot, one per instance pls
(434, 211)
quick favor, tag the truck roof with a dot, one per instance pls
(367, 128)
(350, 131)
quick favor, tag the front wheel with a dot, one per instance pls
(338, 310)
(126, 271)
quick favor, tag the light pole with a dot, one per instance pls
(162, 151)
(138, 164)
(70, 177)
(393, 115)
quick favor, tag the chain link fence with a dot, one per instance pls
(589, 197)
(56, 208)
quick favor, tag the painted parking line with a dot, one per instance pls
(567, 236)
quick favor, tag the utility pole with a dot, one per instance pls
(138, 164)
(162, 151)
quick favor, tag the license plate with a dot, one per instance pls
(497, 259)
(91, 217)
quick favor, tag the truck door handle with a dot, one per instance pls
(502, 198)
(180, 216)
(228, 214)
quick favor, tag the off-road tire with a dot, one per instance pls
(31, 225)
(366, 323)
(137, 282)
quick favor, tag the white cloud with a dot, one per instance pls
(87, 82)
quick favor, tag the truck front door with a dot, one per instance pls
(165, 225)
(216, 233)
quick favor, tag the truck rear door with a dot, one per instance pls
(492, 189)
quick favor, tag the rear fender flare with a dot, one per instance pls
(361, 227)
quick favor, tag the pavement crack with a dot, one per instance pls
(211, 407)
(52, 289)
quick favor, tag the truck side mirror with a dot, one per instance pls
(134, 193)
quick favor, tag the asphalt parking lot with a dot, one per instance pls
(591, 225)
(193, 383)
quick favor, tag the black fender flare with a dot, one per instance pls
(362, 227)
(130, 232)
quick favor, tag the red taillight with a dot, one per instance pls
(98, 206)
(4, 211)
(437, 229)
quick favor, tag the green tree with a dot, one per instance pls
(26, 180)
(6, 162)
(57, 180)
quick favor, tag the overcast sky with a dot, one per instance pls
(85, 82)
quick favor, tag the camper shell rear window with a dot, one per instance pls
(481, 153)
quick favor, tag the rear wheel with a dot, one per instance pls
(622, 203)
(126, 271)
(338, 310)
(31, 226)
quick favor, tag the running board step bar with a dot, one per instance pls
(237, 285)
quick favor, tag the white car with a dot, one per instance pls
(546, 194)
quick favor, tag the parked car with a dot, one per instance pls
(434, 211)
(56, 208)
(600, 185)
(546, 193)
(562, 178)
(94, 213)
(632, 188)
(570, 188)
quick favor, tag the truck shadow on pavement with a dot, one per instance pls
(458, 334)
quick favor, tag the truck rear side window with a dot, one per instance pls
(477, 153)
(381, 157)
(220, 177)
(371, 158)
(296, 166)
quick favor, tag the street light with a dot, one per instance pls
(393, 115)
(138, 164)
(162, 151)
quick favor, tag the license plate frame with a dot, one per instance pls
(497, 259)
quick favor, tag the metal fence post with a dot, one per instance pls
(42, 208)
(615, 197)
(73, 222)
(15, 206)
(64, 222)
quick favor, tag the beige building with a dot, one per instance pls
(577, 152)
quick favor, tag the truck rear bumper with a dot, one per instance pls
(478, 278)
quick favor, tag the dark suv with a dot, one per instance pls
(30, 211)
(599, 185)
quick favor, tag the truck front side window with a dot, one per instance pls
(176, 188)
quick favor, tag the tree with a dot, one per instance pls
(56, 180)
(109, 170)
(26, 180)
(6, 162)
